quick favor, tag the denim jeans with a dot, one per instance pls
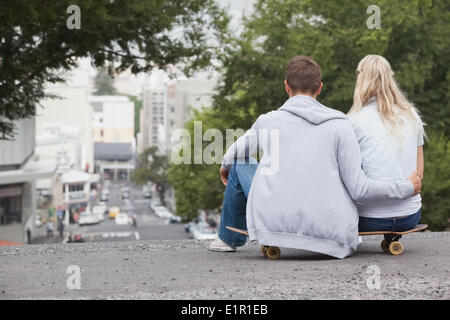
(389, 224)
(235, 201)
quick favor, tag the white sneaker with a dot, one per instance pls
(219, 245)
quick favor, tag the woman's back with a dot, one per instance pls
(387, 156)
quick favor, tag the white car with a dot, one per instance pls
(121, 218)
(99, 212)
(86, 218)
(163, 212)
(200, 232)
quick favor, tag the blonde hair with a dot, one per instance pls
(376, 80)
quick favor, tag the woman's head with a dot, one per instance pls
(375, 80)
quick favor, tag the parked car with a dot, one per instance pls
(38, 221)
(126, 195)
(99, 212)
(86, 218)
(147, 194)
(174, 219)
(113, 212)
(200, 232)
(153, 205)
(104, 205)
(104, 197)
(121, 219)
(163, 212)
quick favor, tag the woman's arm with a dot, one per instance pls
(420, 161)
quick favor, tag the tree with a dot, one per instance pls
(36, 44)
(413, 37)
(104, 84)
(153, 167)
(138, 105)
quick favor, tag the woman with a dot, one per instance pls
(390, 134)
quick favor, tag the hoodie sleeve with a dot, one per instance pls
(244, 147)
(359, 186)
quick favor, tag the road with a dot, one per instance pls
(150, 227)
(185, 269)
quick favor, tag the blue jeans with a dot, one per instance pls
(389, 224)
(235, 201)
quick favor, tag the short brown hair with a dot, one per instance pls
(303, 74)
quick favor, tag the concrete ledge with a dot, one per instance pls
(186, 270)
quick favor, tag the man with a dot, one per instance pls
(302, 193)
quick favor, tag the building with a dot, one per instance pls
(153, 116)
(72, 110)
(168, 108)
(114, 160)
(113, 119)
(182, 98)
(19, 172)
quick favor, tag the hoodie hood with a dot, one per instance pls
(311, 110)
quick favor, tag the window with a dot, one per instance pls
(10, 205)
(101, 133)
(74, 187)
(172, 108)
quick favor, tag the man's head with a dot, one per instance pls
(303, 76)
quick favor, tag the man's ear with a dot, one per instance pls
(286, 86)
(320, 89)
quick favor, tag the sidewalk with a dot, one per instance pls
(185, 269)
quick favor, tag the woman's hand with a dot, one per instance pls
(416, 180)
(224, 175)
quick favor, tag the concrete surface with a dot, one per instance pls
(184, 269)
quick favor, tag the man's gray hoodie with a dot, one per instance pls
(309, 176)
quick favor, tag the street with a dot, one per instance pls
(149, 226)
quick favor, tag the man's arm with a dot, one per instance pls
(244, 147)
(359, 186)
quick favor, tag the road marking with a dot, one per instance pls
(136, 234)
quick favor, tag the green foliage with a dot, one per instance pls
(36, 45)
(413, 37)
(153, 167)
(197, 186)
(104, 84)
(138, 105)
(436, 183)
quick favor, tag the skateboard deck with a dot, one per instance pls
(390, 243)
(419, 227)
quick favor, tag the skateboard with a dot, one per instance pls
(390, 243)
(270, 252)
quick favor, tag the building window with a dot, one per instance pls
(172, 109)
(75, 187)
(101, 133)
(10, 205)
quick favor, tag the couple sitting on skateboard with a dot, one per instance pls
(323, 176)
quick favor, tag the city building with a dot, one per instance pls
(113, 119)
(114, 160)
(70, 112)
(153, 116)
(19, 172)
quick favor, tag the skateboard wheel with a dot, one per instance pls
(273, 253)
(385, 246)
(264, 250)
(396, 248)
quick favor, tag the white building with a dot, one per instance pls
(112, 119)
(18, 175)
(72, 110)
